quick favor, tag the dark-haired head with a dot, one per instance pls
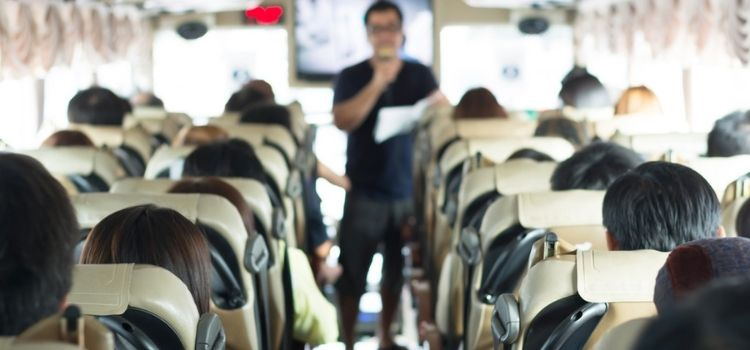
(565, 128)
(478, 103)
(213, 185)
(225, 158)
(267, 113)
(244, 98)
(715, 318)
(528, 153)
(660, 205)
(381, 6)
(67, 138)
(147, 234)
(38, 232)
(97, 106)
(742, 223)
(584, 90)
(730, 135)
(594, 167)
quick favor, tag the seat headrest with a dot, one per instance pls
(93, 207)
(50, 334)
(692, 144)
(494, 128)
(721, 171)
(101, 135)
(79, 160)
(164, 158)
(110, 289)
(139, 140)
(274, 164)
(618, 276)
(228, 119)
(252, 191)
(729, 215)
(259, 134)
(560, 208)
(498, 150)
(523, 175)
(636, 124)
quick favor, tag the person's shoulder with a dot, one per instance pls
(360, 67)
(416, 66)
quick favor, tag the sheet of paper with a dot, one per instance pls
(398, 120)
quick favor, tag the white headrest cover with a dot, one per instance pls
(139, 140)
(618, 276)
(498, 150)
(481, 128)
(656, 144)
(227, 119)
(640, 124)
(101, 135)
(560, 208)
(79, 160)
(165, 157)
(523, 175)
(500, 215)
(109, 289)
(274, 164)
(257, 134)
(721, 171)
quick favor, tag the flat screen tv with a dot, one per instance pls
(330, 35)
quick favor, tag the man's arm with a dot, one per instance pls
(349, 114)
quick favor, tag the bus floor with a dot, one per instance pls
(404, 327)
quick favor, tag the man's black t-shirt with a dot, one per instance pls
(382, 171)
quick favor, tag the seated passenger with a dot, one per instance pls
(742, 223)
(658, 206)
(38, 232)
(594, 167)
(478, 103)
(213, 185)
(717, 317)
(67, 138)
(580, 89)
(147, 234)
(97, 106)
(267, 113)
(730, 135)
(199, 135)
(245, 97)
(695, 264)
(565, 128)
(638, 100)
(528, 153)
(263, 87)
(225, 158)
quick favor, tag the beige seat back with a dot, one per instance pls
(267, 134)
(606, 287)
(639, 124)
(88, 169)
(655, 146)
(729, 215)
(510, 227)
(720, 172)
(48, 334)
(167, 161)
(623, 336)
(157, 121)
(252, 191)
(136, 138)
(148, 298)
(229, 239)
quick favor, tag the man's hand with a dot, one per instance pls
(385, 71)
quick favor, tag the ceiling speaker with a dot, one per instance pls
(533, 25)
(192, 30)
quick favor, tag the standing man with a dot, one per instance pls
(379, 203)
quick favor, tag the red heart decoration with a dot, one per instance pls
(265, 15)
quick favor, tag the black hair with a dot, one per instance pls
(528, 153)
(97, 106)
(583, 90)
(594, 167)
(565, 128)
(730, 135)
(38, 232)
(742, 222)
(244, 98)
(267, 113)
(659, 205)
(225, 158)
(715, 318)
(383, 5)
